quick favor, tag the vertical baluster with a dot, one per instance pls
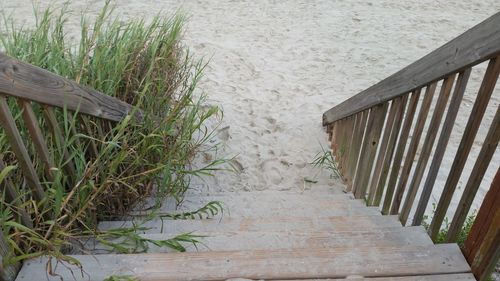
(341, 147)
(456, 99)
(483, 160)
(412, 149)
(398, 157)
(427, 147)
(345, 143)
(37, 137)
(59, 140)
(477, 113)
(374, 130)
(394, 132)
(349, 141)
(334, 145)
(482, 246)
(16, 142)
(356, 146)
(382, 151)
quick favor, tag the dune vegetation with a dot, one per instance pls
(114, 165)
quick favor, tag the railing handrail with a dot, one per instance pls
(474, 46)
(29, 82)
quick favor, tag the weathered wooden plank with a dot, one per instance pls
(476, 45)
(31, 122)
(398, 157)
(25, 81)
(438, 277)
(483, 160)
(267, 240)
(370, 145)
(477, 113)
(482, 246)
(425, 153)
(412, 149)
(288, 223)
(9, 125)
(265, 264)
(449, 121)
(383, 150)
(394, 133)
(356, 146)
(348, 148)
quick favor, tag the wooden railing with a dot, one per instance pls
(376, 134)
(22, 85)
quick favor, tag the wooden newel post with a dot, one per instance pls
(482, 247)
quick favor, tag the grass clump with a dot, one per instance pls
(114, 165)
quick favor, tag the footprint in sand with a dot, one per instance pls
(271, 172)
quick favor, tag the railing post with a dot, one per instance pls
(398, 157)
(475, 118)
(451, 115)
(370, 145)
(412, 149)
(482, 247)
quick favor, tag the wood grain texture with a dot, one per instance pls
(426, 150)
(448, 124)
(475, 118)
(372, 189)
(31, 123)
(394, 133)
(489, 147)
(401, 146)
(437, 277)
(369, 150)
(412, 149)
(266, 264)
(25, 81)
(482, 246)
(474, 46)
(9, 125)
(356, 145)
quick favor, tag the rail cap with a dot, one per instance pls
(26, 81)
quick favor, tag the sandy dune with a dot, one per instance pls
(276, 66)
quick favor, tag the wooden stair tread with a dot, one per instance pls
(283, 223)
(338, 262)
(232, 241)
(437, 277)
(252, 198)
(262, 206)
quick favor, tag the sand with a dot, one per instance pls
(276, 66)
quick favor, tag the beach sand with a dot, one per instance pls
(276, 66)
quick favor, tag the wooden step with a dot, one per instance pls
(311, 263)
(306, 207)
(285, 223)
(333, 187)
(437, 277)
(252, 199)
(244, 240)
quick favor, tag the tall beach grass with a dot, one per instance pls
(115, 165)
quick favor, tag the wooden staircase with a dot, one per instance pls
(319, 233)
